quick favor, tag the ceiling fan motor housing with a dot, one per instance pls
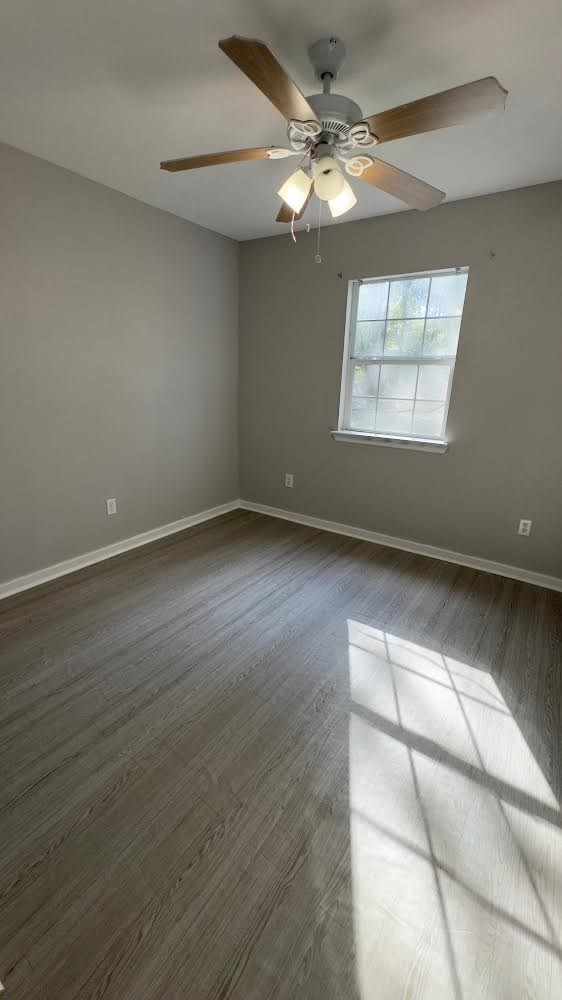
(335, 113)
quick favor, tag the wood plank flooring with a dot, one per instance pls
(257, 760)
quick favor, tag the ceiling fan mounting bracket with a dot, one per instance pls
(327, 56)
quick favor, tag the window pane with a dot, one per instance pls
(441, 336)
(433, 381)
(372, 301)
(398, 381)
(408, 298)
(365, 380)
(394, 416)
(428, 419)
(369, 339)
(362, 414)
(446, 297)
(404, 337)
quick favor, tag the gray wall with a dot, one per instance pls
(505, 417)
(118, 365)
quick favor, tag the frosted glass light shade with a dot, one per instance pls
(295, 190)
(328, 178)
(343, 201)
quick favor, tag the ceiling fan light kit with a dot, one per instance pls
(328, 178)
(330, 131)
(343, 201)
(295, 190)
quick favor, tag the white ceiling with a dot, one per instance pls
(108, 88)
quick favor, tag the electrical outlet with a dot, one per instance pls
(524, 527)
(289, 479)
(111, 506)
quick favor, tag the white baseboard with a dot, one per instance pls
(20, 583)
(473, 562)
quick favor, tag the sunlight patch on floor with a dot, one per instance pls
(455, 833)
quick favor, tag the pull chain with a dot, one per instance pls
(317, 256)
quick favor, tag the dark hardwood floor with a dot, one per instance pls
(256, 760)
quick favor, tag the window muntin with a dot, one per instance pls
(400, 355)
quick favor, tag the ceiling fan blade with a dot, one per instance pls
(213, 159)
(285, 213)
(415, 193)
(261, 67)
(450, 107)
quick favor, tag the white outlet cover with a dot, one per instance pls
(111, 506)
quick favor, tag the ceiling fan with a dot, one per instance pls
(328, 131)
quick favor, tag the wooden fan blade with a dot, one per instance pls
(285, 213)
(450, 107)
(262, 68)
(212, 159)
(415, 193)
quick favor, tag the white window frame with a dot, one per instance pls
(344, 432)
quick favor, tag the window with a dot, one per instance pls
(401, 344)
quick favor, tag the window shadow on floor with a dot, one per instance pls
(456, 836)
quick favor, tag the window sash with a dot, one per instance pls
(346, 424)
(351, 359)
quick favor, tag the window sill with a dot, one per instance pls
(387, 441)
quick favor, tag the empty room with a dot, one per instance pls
(281, 500)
